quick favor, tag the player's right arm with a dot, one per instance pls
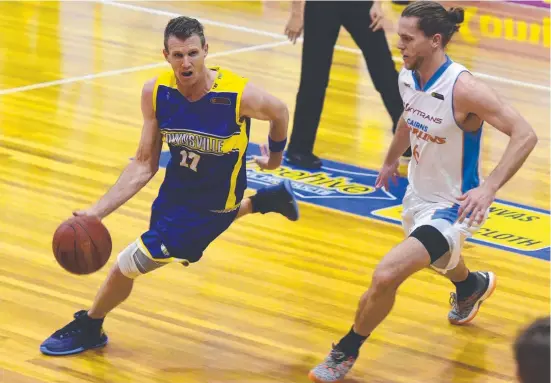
(141, 169)
(295, 25)
(399, 145)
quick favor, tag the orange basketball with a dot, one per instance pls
(82, 245)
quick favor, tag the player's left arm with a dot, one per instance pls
(258, 104)
(473, 96)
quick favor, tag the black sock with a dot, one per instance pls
(468, 286)
(265, 199)
(259, 203)
(94, 320)
(92, 325)
(351, 343)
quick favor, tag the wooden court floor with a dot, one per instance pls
(269, 296)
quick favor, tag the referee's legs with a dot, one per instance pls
(380, 64)
(321, 29)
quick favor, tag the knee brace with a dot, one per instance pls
(133, 262)
(434, 241)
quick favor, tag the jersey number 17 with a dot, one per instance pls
(192, 157)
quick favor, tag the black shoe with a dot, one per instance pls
(278, 198)
(303, 160)
(80, 335)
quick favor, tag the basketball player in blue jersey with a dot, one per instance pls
(446, 200)
(203, 114)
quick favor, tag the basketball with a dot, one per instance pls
(82, 245)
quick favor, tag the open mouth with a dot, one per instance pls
(187, 74)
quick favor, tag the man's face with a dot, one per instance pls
(413, 44)
(187, 58)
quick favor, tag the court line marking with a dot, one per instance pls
(259, 32)
(131, 69)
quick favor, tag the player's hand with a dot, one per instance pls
(377, 16)
(87, 212)
(268, 160)
(294, 27)
(474, 204)
(386, 172)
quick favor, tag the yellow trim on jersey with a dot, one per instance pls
(145, 250)
(242, 146)
(168, 79)
(154, 100)
(229, 82)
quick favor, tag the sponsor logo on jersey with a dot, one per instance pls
(423, 115)
(420, 131)
(220, 101)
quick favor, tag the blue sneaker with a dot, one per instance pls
(278, 198)
(80, 335)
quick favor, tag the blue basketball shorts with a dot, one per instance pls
(178, 233)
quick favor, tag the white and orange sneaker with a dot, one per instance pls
(464, 309)
(334, 368)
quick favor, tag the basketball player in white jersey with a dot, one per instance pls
(446, 201)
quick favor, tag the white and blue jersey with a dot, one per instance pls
(445, 162)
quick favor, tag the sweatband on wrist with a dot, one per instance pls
(276, 146)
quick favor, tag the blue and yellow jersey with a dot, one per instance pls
(207, 141)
